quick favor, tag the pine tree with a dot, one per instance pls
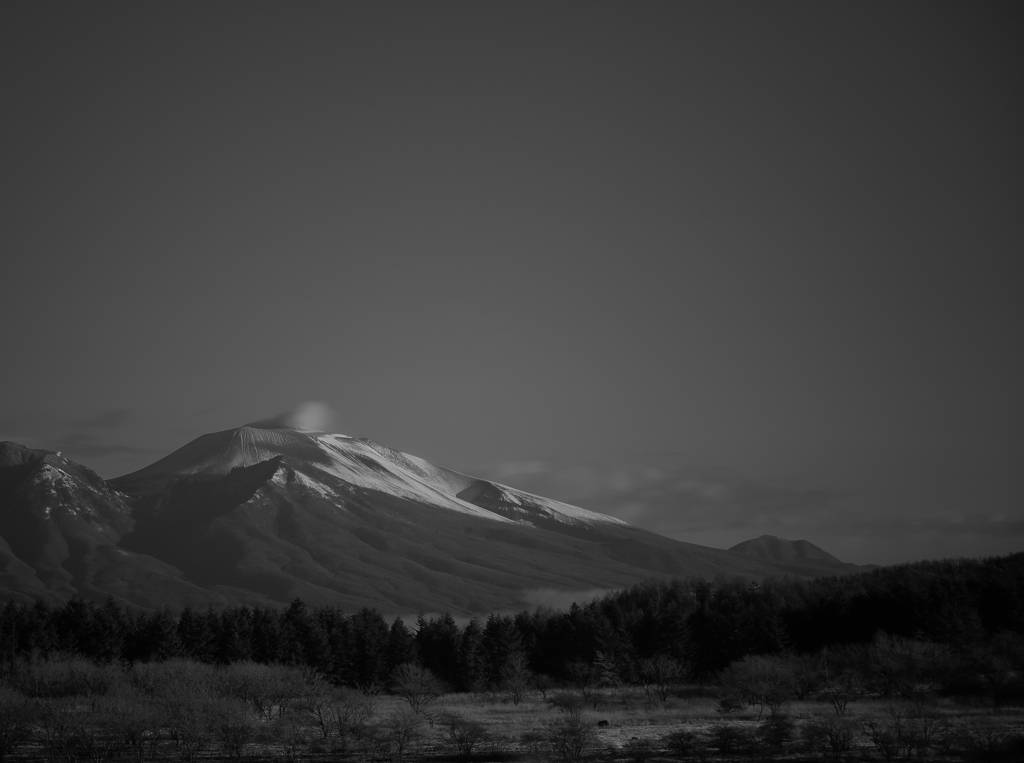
(401, 647)
(197, 642)
(369, 645)
(437, 643)
(73, 624)
(159, 637)
(500, 641)
(232, 644)
(472, 664)
(11, 625)
(108, 632)
(266, 636)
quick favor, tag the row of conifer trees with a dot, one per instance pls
(700, 624)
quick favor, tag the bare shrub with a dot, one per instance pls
(659, 675)
(570, 736)
(535, 742)
(638, 750)
(416, 685)
(461, 733)
(233, 726)
(350, 713)
(725, 737)
(583, 678)
(764, 681)
(17, 718)
(516, 678)
(187, 714)
(906, 729)
(316, 702)
(987, 744)
(61, 676)
(290, 733)
(831, 738)
(569, 702)
(776, 731)
(805, 671)
(60, 729)
(270, 689)
(681, 743)
(98, 739)
(402, 729)
(841, 681)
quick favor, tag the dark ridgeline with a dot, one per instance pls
(701, 626)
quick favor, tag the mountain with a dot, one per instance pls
(799, 557)
(60, 524)
(261, 514)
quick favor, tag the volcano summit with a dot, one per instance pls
(263, 513)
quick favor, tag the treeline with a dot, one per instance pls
(700, 624)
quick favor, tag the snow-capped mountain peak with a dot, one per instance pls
(328, 462)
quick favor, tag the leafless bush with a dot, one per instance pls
(583, 678)
(776, 731)
(270, 689)
(764, 681)
(131, 718)
(60, 729)
(462, 734)
(516, 678)
(686, 745)
(569, 702)
(291, 734)
(61, 676)
(987, 744)
(571, 735)
(188, 715)
(638, 750)
(17, 717)
(98, 739)
(233, 726)
(402, 729)
(416, 685)
(908, 728)
(841, 683)
(350, 713)
(535, 742)
(830, 737)
(659, 675)
(726, 738)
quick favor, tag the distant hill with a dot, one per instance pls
(796, 557)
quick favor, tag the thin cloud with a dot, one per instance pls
(99, 449)
(671, 500)
(312, 415)
(557, 598)
(108, 418)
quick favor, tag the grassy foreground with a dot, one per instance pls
(68, 710)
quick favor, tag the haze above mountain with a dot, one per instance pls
(270, 511)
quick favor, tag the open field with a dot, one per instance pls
(70, 710)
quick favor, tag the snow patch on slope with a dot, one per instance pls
(357, 462)
(319, 488)
(557, 509)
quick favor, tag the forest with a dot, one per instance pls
(917, 660)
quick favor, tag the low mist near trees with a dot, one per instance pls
(881, 666)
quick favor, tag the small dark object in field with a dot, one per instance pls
(602, 724)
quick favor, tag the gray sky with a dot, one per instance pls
(719, 269)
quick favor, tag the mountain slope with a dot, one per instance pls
(259, 515)
(60, 524)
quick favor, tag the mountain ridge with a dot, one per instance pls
(795, 556)
(261, 515)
